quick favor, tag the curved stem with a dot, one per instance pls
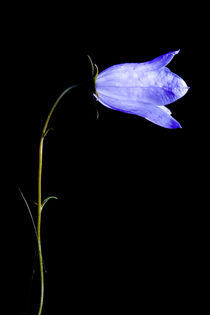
(44, 132)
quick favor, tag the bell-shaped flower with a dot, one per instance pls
(142, 89)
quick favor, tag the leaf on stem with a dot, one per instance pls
(46, 200)
(46, 132)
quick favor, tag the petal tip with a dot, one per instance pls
(176, 52)
(175, 125)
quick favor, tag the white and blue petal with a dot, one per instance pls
(142, 89)
(118, 70)
(159, 115)
(160, 87)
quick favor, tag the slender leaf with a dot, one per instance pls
(46, 200)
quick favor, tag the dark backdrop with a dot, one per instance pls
(120, 231)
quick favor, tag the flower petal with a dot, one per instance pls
(160, 115)
(160, 87)
(159, 62)
(151, 65)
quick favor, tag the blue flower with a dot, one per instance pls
(142, 89)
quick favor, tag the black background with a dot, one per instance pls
(122, 229)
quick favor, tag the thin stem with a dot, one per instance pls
(39, 225)
(44, 132)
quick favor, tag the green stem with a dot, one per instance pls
(44, 132)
